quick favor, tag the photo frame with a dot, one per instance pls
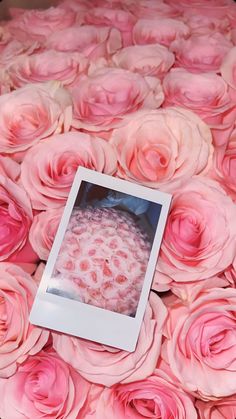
(99, 272)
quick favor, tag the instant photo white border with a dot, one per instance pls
(86, 321)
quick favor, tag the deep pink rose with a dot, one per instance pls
(162, 148)
(199, 239)
(225, 165)
(102, 99)
(217, 409)
(207, 94)
(39, 24)
(44, 386)
(91, 41)
(15, 220)
(105, 365)
(18, 339)
(148, 60)
(31, 113)
(43, 231)
(228, 68)
(49, 167)
(116, 18)
(49, 65)
(155, 397)
(159, 31)
(201, 53)
(201, 343)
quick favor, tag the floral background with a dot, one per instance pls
(145, 91)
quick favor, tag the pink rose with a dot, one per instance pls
(19, 339)
(103, 364)
(219, 7)
(162, 148)
(43, 386)
(46, 66)
(43, 231)
(228, 68)
(207, 94)
(201, 53)
(225, 165)
(201, 343)
(202, 24)
(91, 41)
(147, 60)
(9, 168)
(116, 18)
(15, 48)
(16, 217)
(217, 409)
(152, 9)
(199, 239)
(155, 397)
(31, 113)
(49, 167)
(39, 24)
(159, 31)
(102, 99)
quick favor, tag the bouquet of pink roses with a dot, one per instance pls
(146, 91)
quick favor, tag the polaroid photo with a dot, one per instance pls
(99, 272)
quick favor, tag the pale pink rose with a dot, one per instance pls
(43, 231)
(49, 167)
(225, 165)
(39, 24)
(147, 60)
(32, 113)
(162, 148)
(120, 19)
(200, 53)
(149, 9)
(5, 81)
(155, 397)
(43, 386)
(200, 23)
(102, 99)
(78, 6)
(16, 218)
(217, 409)
(207, 94)
(49, 65)
(209, 7)
(228, 68)
(233, 36)
(19, 339)
(159, 31)
(9, 168)
(199, 239)
(201, 342)
(14, 48)
(91, 41)
(105, 365)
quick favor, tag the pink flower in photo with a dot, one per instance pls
(103, 259)
(49, 65)
(18, 338)
(201, 53)
(225, 165)
(15, 219)
(105, 365)
(39, 24)
(43, 231)
(120, 19)
(9, 168)
(201, 340)
(104, 98)
(162, 148)
(217, 409)
(88, 40)
(43, 386)
(199, 239)
(155, 397)
(48, 169)
(228, 68)
(32, 113)
(148, 60)
(152, 9)
(210, 7)
(159, 31)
